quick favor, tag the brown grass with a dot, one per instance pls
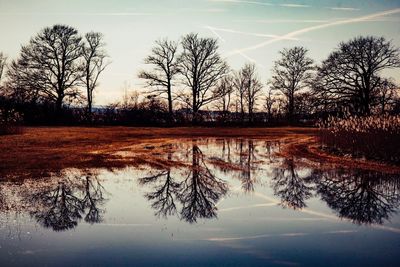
(40, 151)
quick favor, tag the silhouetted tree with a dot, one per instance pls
(225, 89)
(3, 63)
(269, 102)
(94, 63)
(386, 95)
(240, 90)
(350, 75)
(252, 88)
(49, 64)
(291, 73)
(202, 67)
(166, 65)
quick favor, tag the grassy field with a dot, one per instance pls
(42, 150)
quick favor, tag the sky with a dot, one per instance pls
(248, 30)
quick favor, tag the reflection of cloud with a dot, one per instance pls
(313, 28)
(341, 232)
(249, 206)
(222, 239)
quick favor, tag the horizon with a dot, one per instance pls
(247, 31)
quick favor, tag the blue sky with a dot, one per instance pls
(247, 30)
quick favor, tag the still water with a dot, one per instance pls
(222, 202)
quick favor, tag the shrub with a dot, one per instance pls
(372, 137)
(10, 122)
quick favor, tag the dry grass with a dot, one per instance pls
(373, 137)
(40, 151)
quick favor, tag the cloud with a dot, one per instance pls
(207, 10)
(294, 5)
(344, 8)
(242, 2)
(259, 3)
(284, 21)
(314, 28)
(81, 14)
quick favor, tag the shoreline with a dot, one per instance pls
(39, 151)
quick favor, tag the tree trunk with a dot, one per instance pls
(170, 111)
(59, 106)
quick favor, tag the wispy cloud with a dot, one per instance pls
(260, 3)
(344, 8)
(314, 28)
(279, 21)
(206, 10)
(243, 2)
(79, 13)
(294, 5)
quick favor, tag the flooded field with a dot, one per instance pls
(203, 201)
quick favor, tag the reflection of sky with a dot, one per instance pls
(252, 229)
(130, 27)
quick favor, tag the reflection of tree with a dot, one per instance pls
(93, 199)
(62, 205)
(201, 190)
(362, 197)
(165, 191)
(290, 187)
(246, 160)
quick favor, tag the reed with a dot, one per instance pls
(371, 137)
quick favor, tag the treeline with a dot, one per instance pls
(188, 82)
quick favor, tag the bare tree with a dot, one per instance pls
(202, 67)
(350, 74)
(252, 87)
(240, 89)
(50, 65)
(94, 58)
(225, 89)
(166, 65)
(3, 63)
(291, 73)
(269, 102)
(386, 94)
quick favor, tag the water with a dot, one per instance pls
(224, 202)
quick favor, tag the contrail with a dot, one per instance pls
(213, 29)
(240, 53)
(314, 28)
